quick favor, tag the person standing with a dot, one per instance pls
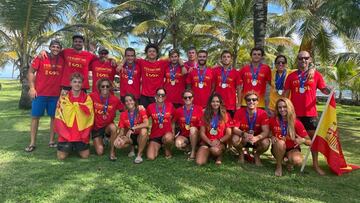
(227, 83)
(303, 96)
(44, 79)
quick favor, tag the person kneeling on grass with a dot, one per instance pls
(215, 130)
(251, 129)
(188, 118)
(105, 107)
(287, 134)
(74, 119)
(133, 125)
(161, 114)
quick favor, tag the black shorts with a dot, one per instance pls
(146, 101)
(249, 145)
(134, 138)
(72, 146)
(310, 123)
(157, 140)
(99, 133)
(231, 112)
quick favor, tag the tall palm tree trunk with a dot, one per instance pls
(260, 20)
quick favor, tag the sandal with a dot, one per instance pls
(30, 148)
(138, 160)
(112, 158)
(52, 145)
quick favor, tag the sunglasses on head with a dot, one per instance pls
(302, 58)
(188, 97)
(251, 99)
(161, 95)
(105, 86)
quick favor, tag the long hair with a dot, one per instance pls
(101, 80)
(290, 117)
(209, 112)
(136, 103)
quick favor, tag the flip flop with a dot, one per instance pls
(30, 148)
(52, 145)
(112, 158)
(138, 160)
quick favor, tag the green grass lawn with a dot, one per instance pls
(40, 177)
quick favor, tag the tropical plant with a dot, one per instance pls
(260, 9)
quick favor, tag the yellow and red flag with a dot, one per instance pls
(74, 118)
(327, 140)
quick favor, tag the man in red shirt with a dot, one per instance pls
(130, 75)
(200, 80)
(102, 67)
(228, 83)
(191, 64)
(255, 76)
(174, 79)
(303, 96)
(44, 79)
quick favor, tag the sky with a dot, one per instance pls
(7, 71)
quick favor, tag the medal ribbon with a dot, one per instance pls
(173, 71)
(188, 115)
(252, 122)
(302, 78)
(224, 75)
(284, 127)
(106, 105)
(215, 121)
(130, 72)
(132, 117)
(254, 75)
(201, 76)
(279, 80)
(161, 114)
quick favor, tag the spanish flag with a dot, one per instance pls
(327, 140)
(74, 118)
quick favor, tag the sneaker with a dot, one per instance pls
(131, 154)
(138, 160)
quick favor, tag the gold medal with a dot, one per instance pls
(187, 127)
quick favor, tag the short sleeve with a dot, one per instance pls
(300, 129)
(35, 64)
(320, 82)
(264, 119)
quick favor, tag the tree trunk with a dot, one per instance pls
(260, 20)
(25, 100)
(340, 94)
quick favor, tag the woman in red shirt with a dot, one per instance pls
(215, 130)
(287, 134)
(161, 114)
(133, 125)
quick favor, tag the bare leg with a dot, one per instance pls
(278, 150)
(62, 155)
(142, 139)
(217, 152)
(261, 147)
(34, 129)
(237, 143)
(84, 154)
(194, 139)
(202, 155)
(315, 157)
(168, 140)
(99, 145)
(111, 130)
(153, 150)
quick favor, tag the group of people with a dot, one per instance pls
(167, 102)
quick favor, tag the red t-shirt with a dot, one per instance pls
(152, 75)
(124, 121)
(241, 121)
(113, 106)
(76, 62)
(196, 116)
(174, 92)
(201, 95)
(304, 103)
(229, 92)
(101, 70)
(276, 131)
(48, 78)
(190, 65)
(169, 112)
(133, 88)
(221, 129)
(263, 78)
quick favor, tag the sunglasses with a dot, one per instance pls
(105, 86)
(302, 58)
(161, 95)
(251, 99)
(103, 53)
(189, 97)
(281, 62)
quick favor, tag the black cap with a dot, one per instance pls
(55, 41)
(103, 49)
(78, 35)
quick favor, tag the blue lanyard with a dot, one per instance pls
(279, 80)
(201, 77)
(252, 122)
(188, 115)
(224, 75)
(161, 114)
(284, 127)
(132, 117)
(254, 75)
(302, 79)
(130, 73)
(173, 71)
(215, 121)
(106, 105)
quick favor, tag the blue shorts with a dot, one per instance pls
(40, 103)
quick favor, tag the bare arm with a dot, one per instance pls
(238, 90)
(31, 78)
(227, 135)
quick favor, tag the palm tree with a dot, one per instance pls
(260, 21)
(25, 25)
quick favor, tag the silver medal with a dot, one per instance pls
(172, 82)
(280, 92)
(251, 132)
(213, 131)
(161, 125)
(201, 85)
(254, 82)
(130, 82)
(223, 85)
(302, 90)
